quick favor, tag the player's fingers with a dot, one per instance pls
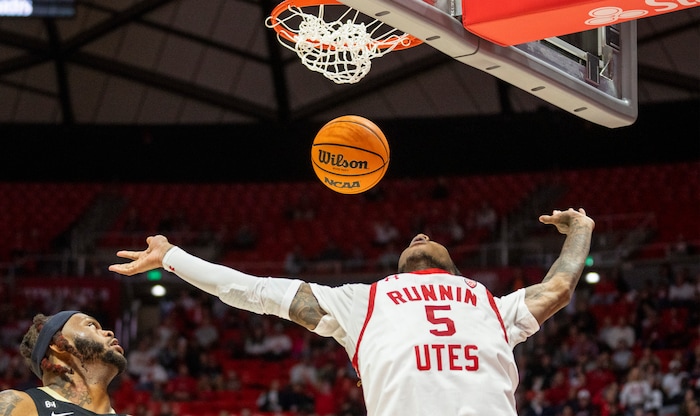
(124, 269)
(131, 255)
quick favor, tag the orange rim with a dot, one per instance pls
(411, 41)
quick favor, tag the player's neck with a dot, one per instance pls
(84, 393)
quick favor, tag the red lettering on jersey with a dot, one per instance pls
(428, 292)
(412, 296)
(431, 293)
(438, 353)
(395, 295)
(470, 355)
(453, 357)
(470, 297)
(420, 365)
(446, 293)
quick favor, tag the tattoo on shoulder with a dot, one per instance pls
(305, 309)
(8, 402)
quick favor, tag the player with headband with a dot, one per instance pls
(424, 341)
(76, 361)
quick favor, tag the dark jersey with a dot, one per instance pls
(47, 405)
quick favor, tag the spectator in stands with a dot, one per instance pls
(255, 342)
(558, 392)
(673, 383)
(622, 330)
(634, 392)
(206, 334)
(153, 378)
(622, 358)
(270, 400)
(608, 401)
(304, 372)
(655, 398)
(681, 292)
(352, 404)
(582, 317)
(140, 358)
(75, 359)
(277, 343)
(648, 358)
(583, 406)
(296, 399)
(325, 400)
(541, 373)
(393, 381)
(600, 374)
(538, 406)
(690, 406)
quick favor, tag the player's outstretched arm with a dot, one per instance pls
(287, 298)
(554, 292)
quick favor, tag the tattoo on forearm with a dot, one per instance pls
(305, 309)
(8, 402)
(573, 253)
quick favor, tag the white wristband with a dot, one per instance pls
(262, 295)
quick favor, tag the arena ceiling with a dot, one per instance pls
(214, 62)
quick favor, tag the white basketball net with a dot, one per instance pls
(342, 52)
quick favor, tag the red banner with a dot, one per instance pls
(512, 22)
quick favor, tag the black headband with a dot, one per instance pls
(53, 325)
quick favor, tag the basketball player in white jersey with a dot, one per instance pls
(424, 341)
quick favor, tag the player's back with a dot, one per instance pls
(435, 343)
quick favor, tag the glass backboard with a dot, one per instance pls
(591, 74)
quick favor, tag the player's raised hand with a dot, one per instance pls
(143, 261)
(566, 220)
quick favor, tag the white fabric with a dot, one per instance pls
(261, 295)
(391, 351)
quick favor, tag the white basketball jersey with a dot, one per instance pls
(431, 343)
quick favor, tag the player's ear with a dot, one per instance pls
(56, 348)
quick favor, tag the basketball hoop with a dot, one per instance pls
(338, 43)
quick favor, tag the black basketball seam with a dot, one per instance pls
(364, 127)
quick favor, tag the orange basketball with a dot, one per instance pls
(350, 154)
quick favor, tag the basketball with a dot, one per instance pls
(350, 154)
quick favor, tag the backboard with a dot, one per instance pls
(591, 74)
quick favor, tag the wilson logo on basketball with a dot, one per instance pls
(328, 158)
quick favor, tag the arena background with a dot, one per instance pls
(71, 130)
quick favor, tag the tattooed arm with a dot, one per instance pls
(305, 309)
(16, 403)
(544, 299)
